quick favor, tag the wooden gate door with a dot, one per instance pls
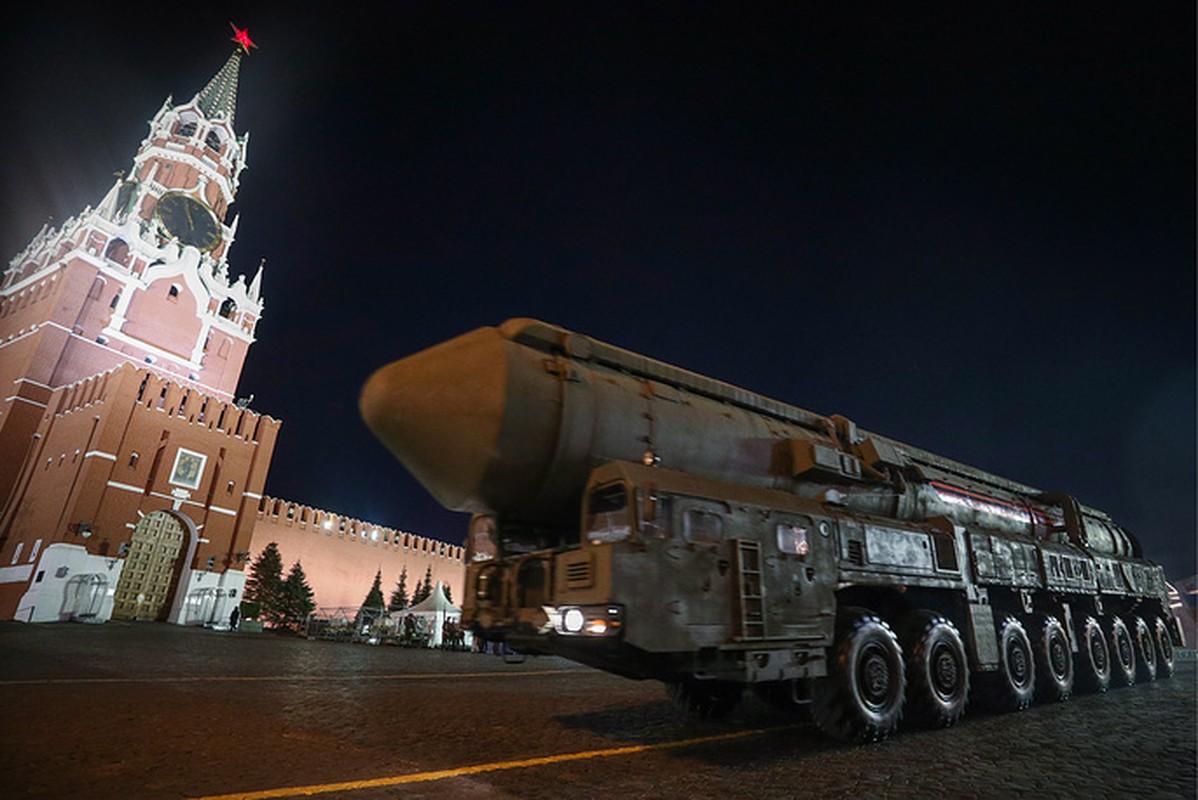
(143, 592)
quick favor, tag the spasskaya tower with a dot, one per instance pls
(129, 475)
(144, 277)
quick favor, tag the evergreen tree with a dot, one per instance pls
(264, 585)
(374, 598)
(297, 598)
(399, 595)
(425, 589)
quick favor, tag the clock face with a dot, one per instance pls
(188, 220)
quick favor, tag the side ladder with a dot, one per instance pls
(750, 601)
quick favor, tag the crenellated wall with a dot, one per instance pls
(105, 454)
(340, 555)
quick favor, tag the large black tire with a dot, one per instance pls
(1166, 658)
(1141, 634)
(1123, 652)
(1094, 664)
(709, 699)
(937, 670)
(1013, 686)
(1054, 660)
(861, 700)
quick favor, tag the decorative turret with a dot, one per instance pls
(218, 100)
(144, 277)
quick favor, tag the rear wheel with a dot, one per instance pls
(1054, 660)
(1094, 667)
(1123, 662)
(1165, 657)
(1011, 688)
(861, 700)
(705, 698)
(937, 670)
(1145, 649)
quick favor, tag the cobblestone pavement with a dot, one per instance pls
(159, 711)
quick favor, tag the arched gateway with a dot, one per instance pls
(151, 568)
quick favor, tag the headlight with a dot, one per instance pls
(587, 620)
(573, 620)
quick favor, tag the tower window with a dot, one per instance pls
(173, 293)
(118, 251)
(228, 308)
(212, 140)
(186, 129)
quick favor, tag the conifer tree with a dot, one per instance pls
(399, 595)
(425, 589)
(374, 598)
(297, 598)
(264, 585)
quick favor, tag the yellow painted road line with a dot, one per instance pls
(436, 775)
(413, 676)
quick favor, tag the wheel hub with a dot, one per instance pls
(946, 672)
(1097, 654)
(1125, 651)
(1166, 645)
(1056, 653)
(1019, 661)
(875, 677)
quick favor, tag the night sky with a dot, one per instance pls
(968, 227)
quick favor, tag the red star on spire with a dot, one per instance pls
(242, 37)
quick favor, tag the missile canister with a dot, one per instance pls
(510, 420)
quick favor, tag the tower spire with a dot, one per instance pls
(218, 100)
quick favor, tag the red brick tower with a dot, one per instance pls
(143, 277)
(122, 339)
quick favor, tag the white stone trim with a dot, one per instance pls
(23, 335)
(16, 574)
(37, 275)
(99, 454)
(126, 487)
(24, 400)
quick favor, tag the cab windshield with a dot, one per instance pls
(608, 516)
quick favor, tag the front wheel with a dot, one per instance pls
(861, 700)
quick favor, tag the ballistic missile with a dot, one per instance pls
(510, 420)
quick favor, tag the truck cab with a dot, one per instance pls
(668, 574)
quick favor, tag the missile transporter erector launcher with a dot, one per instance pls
(656, 523)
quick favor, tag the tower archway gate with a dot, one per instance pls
(151, 568)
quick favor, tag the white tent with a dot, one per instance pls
(435, 610)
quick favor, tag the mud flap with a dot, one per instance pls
(982, 638)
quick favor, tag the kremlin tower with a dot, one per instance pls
(130, 475)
